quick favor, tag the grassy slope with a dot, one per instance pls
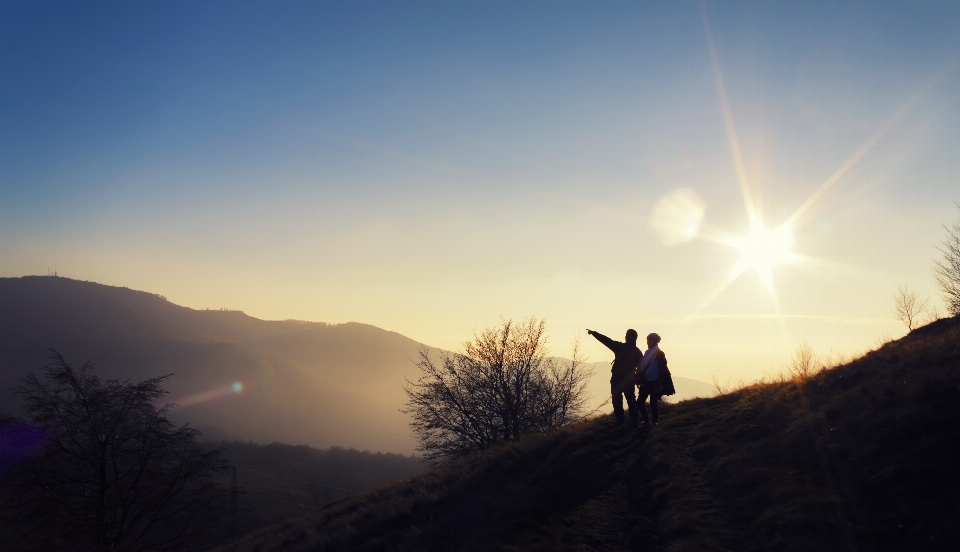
(285, 481)
(861, 457)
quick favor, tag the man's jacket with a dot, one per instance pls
(626, 359)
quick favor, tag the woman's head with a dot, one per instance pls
(653, 339)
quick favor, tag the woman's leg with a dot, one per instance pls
(654, 406)
(641, 406)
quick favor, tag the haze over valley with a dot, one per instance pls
(300, 382)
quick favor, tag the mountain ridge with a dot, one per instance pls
(303, 382)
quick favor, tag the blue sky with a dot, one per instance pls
(429, 167)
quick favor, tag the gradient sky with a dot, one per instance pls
(431, 167)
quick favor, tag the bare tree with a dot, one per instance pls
(908, 306)
(933, 314)
(113, 472)
(804, 362)
(501, 387)
(947, 271)
(720, 388)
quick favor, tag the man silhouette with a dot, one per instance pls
(622, 374)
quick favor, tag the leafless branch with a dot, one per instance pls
(501, 387)
(946, 272)
(908, 306)
(112, 472)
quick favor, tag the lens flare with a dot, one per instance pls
(217, 393)
(18, 442)
(677, 216)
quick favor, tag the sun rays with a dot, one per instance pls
(764, 247)
(761, 250)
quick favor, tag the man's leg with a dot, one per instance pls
(629, 392)
(616, 397)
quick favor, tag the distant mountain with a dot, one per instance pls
(302, 382)
(309, 383)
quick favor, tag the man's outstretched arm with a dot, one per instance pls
(611, 344)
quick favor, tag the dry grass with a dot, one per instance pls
(858, 457)
(518, 493)
(861, 457)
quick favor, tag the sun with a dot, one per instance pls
(761, 250)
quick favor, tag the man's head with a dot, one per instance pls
(652, 339)
(631, 336)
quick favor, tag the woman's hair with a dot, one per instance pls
(654, 338)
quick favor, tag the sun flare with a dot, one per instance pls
(762, 249)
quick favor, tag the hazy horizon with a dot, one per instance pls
(430, 168)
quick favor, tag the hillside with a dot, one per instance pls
(860, 457)
(281, 481)
(311, 383)
(317, 384)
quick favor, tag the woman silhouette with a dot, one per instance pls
(650, 377)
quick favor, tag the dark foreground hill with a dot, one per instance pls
(281, 481)
(861, 457)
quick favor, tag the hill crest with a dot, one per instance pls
(858, 457)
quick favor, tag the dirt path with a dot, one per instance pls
(610, 507)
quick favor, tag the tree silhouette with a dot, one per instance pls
(908, 306)
(947, 271)
(501, 387)
(113, 472)
(803, 363)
